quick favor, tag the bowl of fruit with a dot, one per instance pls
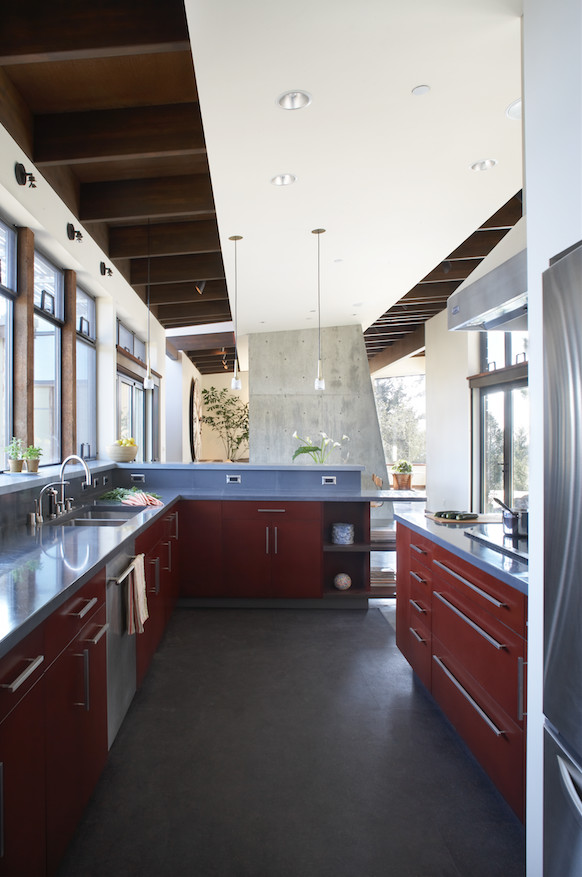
(122, 451)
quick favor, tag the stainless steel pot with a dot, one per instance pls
(515, 523)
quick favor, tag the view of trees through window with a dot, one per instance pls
(400, 403)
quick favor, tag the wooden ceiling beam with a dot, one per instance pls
(163, 239)
(139, 199)
(182, 293)
(177, 269)
(408, 346)
(506, 216)
(479, 244)
(204, 341)
(426, 289)
(35, 31)
(459, 270)
(131, 132)
(210, 311)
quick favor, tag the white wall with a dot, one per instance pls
(179, 376)
(450, 358)
(553, 176)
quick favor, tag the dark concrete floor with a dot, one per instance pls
(290, 743)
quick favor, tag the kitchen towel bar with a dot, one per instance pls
(122, 576)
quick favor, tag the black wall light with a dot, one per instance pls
(105, 270)
(73, 233)
(23, 177)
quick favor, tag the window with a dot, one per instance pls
(86, 376)
(7, 286)
(49, 312)
(131, 412)
(401, 407)
(503, 400)
(129, 341)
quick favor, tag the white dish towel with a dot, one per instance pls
(137, 602)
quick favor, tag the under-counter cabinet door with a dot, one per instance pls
(200, 548)
(246, 557)
(296, 558)
(22, 760)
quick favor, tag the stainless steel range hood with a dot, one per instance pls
(494, 296)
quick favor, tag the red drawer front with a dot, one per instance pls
(20, 669)
(496, 742)
(504, 602)
(419, 650)
(420, 587)
(421, 552)
(146, 541)
(65, 623)
(490, 652)
(304, 511)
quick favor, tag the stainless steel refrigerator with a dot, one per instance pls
(562, 303)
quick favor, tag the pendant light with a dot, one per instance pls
(319, 383)
(148, 381)
(235, 384)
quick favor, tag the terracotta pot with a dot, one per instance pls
(15, 465)
(401, 480)
(32, 465)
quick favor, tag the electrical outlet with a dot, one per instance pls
(137, 477)
(95, 482)
(105, 480)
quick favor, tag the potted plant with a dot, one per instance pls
(229, 417)
(32, 456)
(14, 451)
(402, 475)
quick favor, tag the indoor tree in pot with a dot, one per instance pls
(15, 450)
(32, 456)
(228, 415)
(402, 475)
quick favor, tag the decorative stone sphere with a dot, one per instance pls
(342, 581)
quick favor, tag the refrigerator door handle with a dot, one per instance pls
(571, 787)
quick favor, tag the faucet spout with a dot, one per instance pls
(80, 460)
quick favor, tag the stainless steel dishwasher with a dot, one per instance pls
(121, 661)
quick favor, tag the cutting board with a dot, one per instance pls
(490, 518)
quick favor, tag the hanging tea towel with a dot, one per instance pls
(137, 603)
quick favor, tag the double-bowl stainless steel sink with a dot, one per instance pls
(98, 516)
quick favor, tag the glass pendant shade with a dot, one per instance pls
(319, 381)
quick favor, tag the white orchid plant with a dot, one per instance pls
(320, 452)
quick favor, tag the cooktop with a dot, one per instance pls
(492, 536)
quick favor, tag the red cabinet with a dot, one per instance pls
(200, 549)
(271, 549)
(76, 717)
(463, 632)
(22, 758)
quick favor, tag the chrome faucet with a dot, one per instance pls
(83, 464)
(63, 504)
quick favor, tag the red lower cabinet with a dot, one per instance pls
(200, 549)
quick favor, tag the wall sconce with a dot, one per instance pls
(199, 287)
(105, 270)
(23, 177)
(73, 233)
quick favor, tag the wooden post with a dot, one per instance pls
(69, 368)
(23, 425)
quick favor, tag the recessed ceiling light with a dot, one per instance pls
(420, 89)
(283, 179)
(513, 111)
(357, 304)
(294, 100)
(484, 165)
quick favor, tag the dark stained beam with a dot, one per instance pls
(210, 311)
(203, 342)
(426, 290)
(408, 346)
(131, 132)
(36, 31)
(185, 293)
(165, 239)
(177, 269)
(153, 198)
(506, 216)
(479, 244)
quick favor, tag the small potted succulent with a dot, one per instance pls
(15, 450)
(402, 475)
(32, 456)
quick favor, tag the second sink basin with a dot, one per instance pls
(98, 517)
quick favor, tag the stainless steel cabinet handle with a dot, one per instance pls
(521, 712)
(569, 784)
(85, 656)
(266, 539)
(276, 538)
(418, 607)
(470, 585)
(468, 698)
(155, 562)
(417, 636)
(418, 578)
(272, 510)
(102, 630)
(33, 664)
(176, 521)
(86, 608)
(418, 549)
(471, 623)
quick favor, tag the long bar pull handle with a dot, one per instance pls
(469, 584)
(418, 607)
(418, 549)
(100, 633)
(276, 539)
(155, 562)
(168, 568)
(468, 698)
(471, 623)
(417, 636)
(521, 712)
(85, 656)
(272, 510)
(176, 522)
(568, 781)
(266, 539)
(418, 578)
(86, 608)
(28, 671)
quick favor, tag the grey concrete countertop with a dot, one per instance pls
(453, 538)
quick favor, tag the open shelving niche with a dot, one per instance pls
(370, 560)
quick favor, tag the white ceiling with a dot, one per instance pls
(386, 173)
